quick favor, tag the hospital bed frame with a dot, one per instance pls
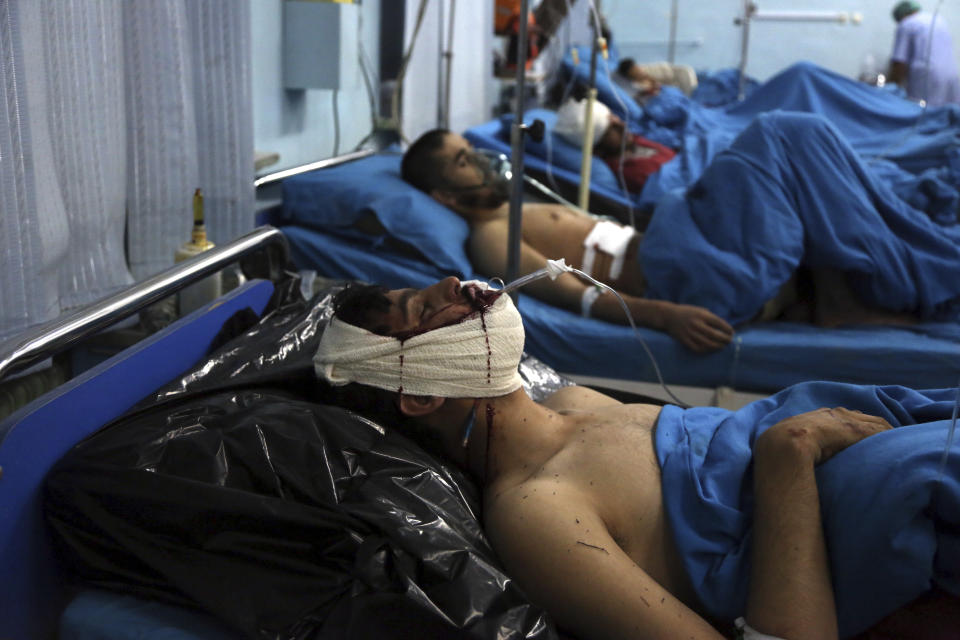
(33, 438)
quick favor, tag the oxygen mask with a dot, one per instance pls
(493, 187)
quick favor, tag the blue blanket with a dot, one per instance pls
(892, 524)
(876, 122)
(791, 192)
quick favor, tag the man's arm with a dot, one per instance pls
(904, 50)
(790, 590)
(898, 73)
(559, 550)
(695, 327)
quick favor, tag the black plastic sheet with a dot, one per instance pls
(236, 490)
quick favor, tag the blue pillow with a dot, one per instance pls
(340, 196)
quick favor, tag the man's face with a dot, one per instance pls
(466, 178)
(420, 310)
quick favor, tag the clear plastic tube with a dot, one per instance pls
(553, 269)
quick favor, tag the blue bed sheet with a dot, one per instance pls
(904, 144)
(791, 192)
(891, 521)
(877, 123)
(926, 355)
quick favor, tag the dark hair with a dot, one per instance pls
(624, 67)
(904, 9)
(364, 306)
(420, 166)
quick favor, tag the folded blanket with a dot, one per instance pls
(791, 192)
(892, 524)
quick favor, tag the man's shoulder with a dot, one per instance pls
(533, 503)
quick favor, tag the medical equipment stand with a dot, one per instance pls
(516, 159)
(586, 155)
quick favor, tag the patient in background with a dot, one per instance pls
(445, 166)
(572, 494)
(631, 157)
(643, 81)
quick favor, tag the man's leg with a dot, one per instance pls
(836, 304)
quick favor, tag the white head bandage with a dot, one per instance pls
(572, 120)
(475, 358)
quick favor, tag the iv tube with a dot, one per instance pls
(553, 269)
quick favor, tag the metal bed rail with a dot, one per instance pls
(277, 176)
(44, 341)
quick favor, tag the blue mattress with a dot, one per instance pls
(923, 356)
(33, 438)
(95, 615)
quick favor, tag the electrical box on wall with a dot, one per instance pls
(320, 44)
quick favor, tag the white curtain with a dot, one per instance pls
(112, 112)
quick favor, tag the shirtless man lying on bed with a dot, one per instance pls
(572, 498)
(445, 166)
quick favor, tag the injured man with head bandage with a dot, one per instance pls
(787, 224)
(809, 514)
(632, 157)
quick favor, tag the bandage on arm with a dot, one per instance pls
(590, 295)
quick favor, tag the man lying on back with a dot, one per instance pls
(573, 488)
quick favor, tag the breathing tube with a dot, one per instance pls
(556, 267)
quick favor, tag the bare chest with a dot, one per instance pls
(556, 232)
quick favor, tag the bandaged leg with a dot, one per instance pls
(610, 238)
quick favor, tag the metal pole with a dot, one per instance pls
(587, 150)
(449, 59)
(748, 8)
(672, 51)
(516, 141)
(441, 107)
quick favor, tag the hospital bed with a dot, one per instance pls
(420, 242)
(879, 123)
(227, 448)
(113, 552)
(899, 138)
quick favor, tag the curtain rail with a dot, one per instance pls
(44, 341)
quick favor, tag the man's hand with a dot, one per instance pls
(697, 328)
(825, 432)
